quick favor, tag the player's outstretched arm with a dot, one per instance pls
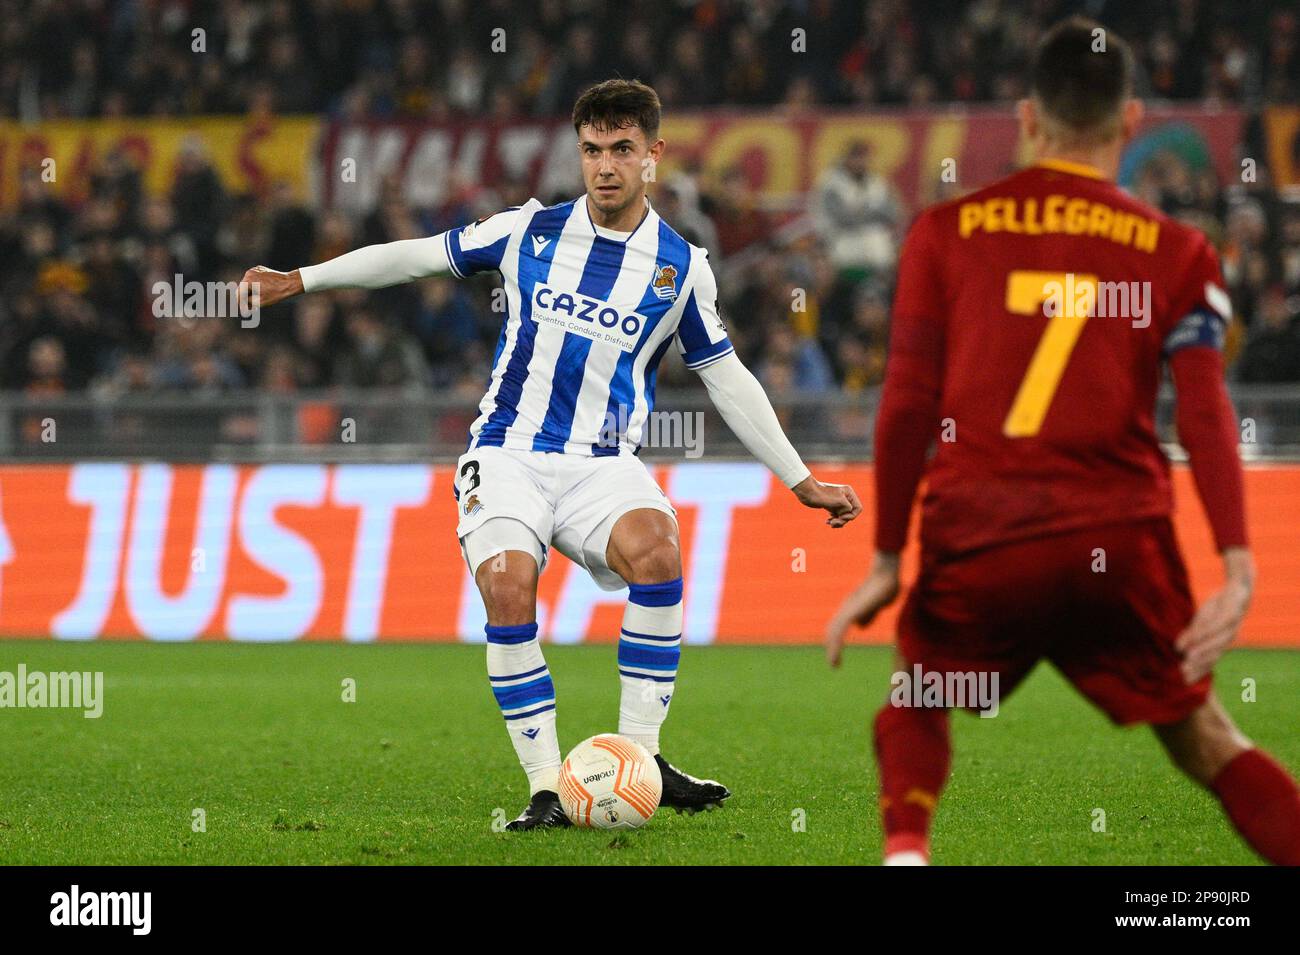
(743, 404)
(371, 267)
(1207, 430)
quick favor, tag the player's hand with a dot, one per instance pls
(859, 608)
(839, 499)
(262, 287)
(1215, 625)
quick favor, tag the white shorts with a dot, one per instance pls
(568, 500)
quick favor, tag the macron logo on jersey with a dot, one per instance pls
(539, 242)
(586, 316)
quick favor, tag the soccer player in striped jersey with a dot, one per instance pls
(598, 289)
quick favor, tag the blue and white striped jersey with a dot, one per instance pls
(590, 314)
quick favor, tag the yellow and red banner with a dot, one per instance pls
(369, 552)
(249, 154)
(927, 154)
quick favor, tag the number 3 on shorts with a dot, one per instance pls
(469, 470)
(1026, 293)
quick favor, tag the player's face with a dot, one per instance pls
(616, 165)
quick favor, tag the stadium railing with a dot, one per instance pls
(339, 426)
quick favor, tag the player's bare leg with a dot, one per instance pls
(643, 549)
(508, 585)
(1257, 794)
(521, 682)
(1205, 742)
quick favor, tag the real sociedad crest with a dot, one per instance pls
(665, 283)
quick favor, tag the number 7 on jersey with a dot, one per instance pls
(1026, 293)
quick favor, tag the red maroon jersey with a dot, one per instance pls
(1035, 316)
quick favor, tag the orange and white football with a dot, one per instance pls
(610, 782)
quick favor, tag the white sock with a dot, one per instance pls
(648, 652)
(906, 857)
(523, 689)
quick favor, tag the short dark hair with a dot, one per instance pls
(1081, 75)
(618, 103)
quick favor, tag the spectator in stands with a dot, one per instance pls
(1272, 352)
(46, 367)
(38, 205)
(86, 341)
(863, 344)
(112, 285)
(132, 375)
(281, 372)
(736, 214)
(292, 228)
(1289, 251)
(794, 363)
(200, 203)
(158, 225)
(317, 336)
(195, 359)
(857, 214)
(690, 79)
(446, 321)
(379, 355)
(677, 202)
(286, 74)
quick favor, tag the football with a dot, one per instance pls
(610, 782)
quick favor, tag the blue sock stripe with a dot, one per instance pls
(524, 716)
(650, 636)
(647, 676)
(651, 658)
(521, 633)
(517, 676)
(534, 691)
(656, 595)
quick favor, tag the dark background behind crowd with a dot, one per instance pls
(76, 306)
(433, 58)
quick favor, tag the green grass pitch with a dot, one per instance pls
(412, 772)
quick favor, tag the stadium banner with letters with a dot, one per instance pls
(249, 154)
(927, 154)
(359, 552)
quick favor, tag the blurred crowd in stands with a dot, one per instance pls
(435, 59)
(806, 297)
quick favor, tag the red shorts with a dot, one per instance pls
(1110, 633)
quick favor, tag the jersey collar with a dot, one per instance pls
(1074, 168)
(610, 234)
